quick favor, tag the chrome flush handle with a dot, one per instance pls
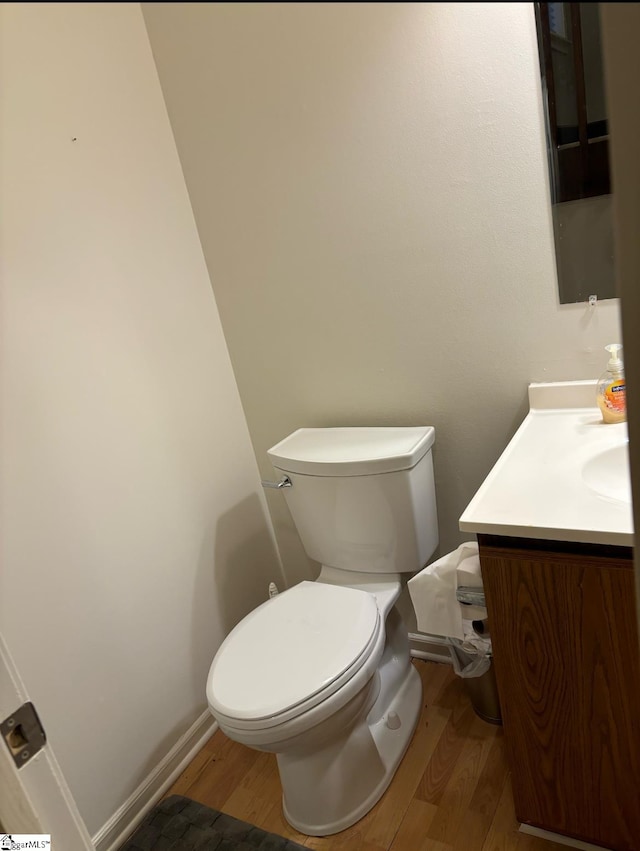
(284, 483)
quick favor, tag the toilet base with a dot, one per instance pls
(351, 775)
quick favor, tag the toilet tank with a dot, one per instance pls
(362, 499)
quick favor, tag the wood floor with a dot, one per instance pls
(452, 791)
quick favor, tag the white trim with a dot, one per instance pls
(127, 817)
(16, 807)
(559, 838)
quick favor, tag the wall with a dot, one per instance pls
(370, 186)
(134, 530)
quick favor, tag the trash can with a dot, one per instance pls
(477, 668)
(449, 602)
(483, 694)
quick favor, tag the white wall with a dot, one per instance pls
(370, 186)
(134, 532)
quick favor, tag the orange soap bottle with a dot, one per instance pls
(611, 394)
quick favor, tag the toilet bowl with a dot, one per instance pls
(342, 724)
(321, 674)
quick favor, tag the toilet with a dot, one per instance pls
(320, 674)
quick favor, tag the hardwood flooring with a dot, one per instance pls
(452, 791)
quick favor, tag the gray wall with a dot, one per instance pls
(370, 187)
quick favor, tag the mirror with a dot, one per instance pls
(577, 133)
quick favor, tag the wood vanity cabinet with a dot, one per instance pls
(565, 643)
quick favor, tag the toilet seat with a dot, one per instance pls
(292, 653)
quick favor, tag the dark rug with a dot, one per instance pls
(180, 824)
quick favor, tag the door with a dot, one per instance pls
(35, 798)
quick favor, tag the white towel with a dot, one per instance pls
(433, 592)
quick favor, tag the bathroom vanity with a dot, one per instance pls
(555, 530)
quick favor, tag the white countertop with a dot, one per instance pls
(542, 485)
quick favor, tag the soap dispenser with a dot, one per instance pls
(611, 393)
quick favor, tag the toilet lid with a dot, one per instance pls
(291, 648)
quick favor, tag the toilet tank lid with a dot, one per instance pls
(351, 451)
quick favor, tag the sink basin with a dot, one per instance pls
(564, 475)
(607, 473)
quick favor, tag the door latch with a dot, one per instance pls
(23, 734)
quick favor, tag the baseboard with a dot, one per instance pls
(559, 838)
(432, 648)
(125, 820)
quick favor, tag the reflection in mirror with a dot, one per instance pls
(578, 147)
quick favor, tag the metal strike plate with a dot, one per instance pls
(23, 734)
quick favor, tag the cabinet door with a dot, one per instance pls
(566, 660)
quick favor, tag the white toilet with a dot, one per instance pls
(320, 674)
